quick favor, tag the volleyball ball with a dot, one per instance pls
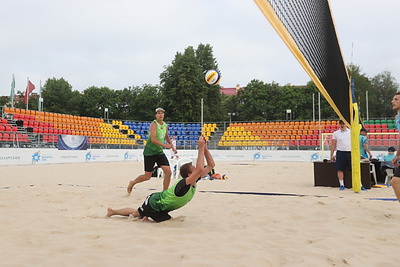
(213, 77)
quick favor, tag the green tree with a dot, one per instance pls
(32, 101)
(57, 95)
(229, 105)
(124, 107)
(259, 101)
(183, 86)
(362, 85)
(212, 96)
(5, 101)
(297, 99)
(145, 100)
(95, 100)
(380, 90)
(75, 104)
(327, 112)
(385, 86)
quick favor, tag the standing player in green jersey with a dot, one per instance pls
(157, 205)
(153, 152)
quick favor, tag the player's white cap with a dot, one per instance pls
(160, 109)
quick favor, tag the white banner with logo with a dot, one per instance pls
(23, 156)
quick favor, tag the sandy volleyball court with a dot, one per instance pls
(54, 215)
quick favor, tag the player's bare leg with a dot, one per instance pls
(395, 182)
(167, 176)
(122, 212)
(141, 178)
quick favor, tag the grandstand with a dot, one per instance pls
(30, 128)
(300, 134)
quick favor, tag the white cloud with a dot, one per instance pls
(123, 43)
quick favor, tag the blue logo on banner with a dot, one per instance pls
(257, 156)
(36, 157)
(88, 156)
(314, 157)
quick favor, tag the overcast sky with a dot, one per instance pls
(121, 43)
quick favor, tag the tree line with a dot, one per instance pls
(182, 87)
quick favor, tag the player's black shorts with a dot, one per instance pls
(397, 172)
(149, 161)
(147, 210)
(343, 160)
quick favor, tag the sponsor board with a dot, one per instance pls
(22, 156)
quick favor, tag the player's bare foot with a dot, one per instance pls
(130, 187)
(145, 219)
(110, 212)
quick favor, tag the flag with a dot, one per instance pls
(29, 88)
(12, 90)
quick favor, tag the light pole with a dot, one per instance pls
(230, 114)
(313, 107)
(106, 114)
(366, 103)
(289, 115)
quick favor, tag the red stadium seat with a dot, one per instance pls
(314, 143)
(6, 136)
(372, 142)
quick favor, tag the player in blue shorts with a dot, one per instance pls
(341, 142)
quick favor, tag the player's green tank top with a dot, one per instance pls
(152, 149)
(167, 200)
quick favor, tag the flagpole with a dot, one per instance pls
(27, 94)
(40, 96)
(12, 91)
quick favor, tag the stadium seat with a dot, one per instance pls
(6, 136)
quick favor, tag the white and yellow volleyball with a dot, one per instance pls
(213, 77)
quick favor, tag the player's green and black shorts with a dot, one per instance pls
(147, 210)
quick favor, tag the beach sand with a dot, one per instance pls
(54, 215)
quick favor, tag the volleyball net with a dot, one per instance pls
(308, 30)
